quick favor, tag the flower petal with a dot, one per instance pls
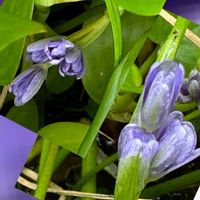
(72, 65)
(27, 84)
(195, 154)
(176, 145)
(37, 46)
(72, 55)
(133, 140)
(161, 90)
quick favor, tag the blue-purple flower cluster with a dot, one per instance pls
(43, 54)
(160, 136)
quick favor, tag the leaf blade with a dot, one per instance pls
(69, 135)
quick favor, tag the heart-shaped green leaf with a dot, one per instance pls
(142, 7)
(99, 55)
(69, 135)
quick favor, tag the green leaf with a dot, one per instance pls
(117, 79)
(21, 26)
(188, 53)
(91, 108)
(124, 103)
(133, 81)
(160, 30)
(114, 15)
(52, 2)
(122, 108)
(142, 7)
(26, 115)
(99, 55)
(69, 135)
(56, 83)
(8, 66)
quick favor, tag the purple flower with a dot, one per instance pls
(177, 142)
(72, 65)
(48, 50)
(133, 141)
(161, 90)
(194, 84)
(58, 51)
(136, 150)
(190, 89)
(184, 95)
(167, 149)
(27, 84)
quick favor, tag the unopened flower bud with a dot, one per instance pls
(161, 91)
(194, 84)
(27, 84)
(72, 65)
(184, 95)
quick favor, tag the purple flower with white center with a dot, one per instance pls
(72, 65)
(167, 149)
(48, 50)
(161, 89)
(27, 84)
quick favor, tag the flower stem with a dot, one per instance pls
(35, 150)
(3, 95)
(62, 154)
(46, 171)
(96, 169)
(192, 115)
(90, 32)
(186, 106)
(45, 150)
(41, 13)
(169, 49)
(88, 163)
